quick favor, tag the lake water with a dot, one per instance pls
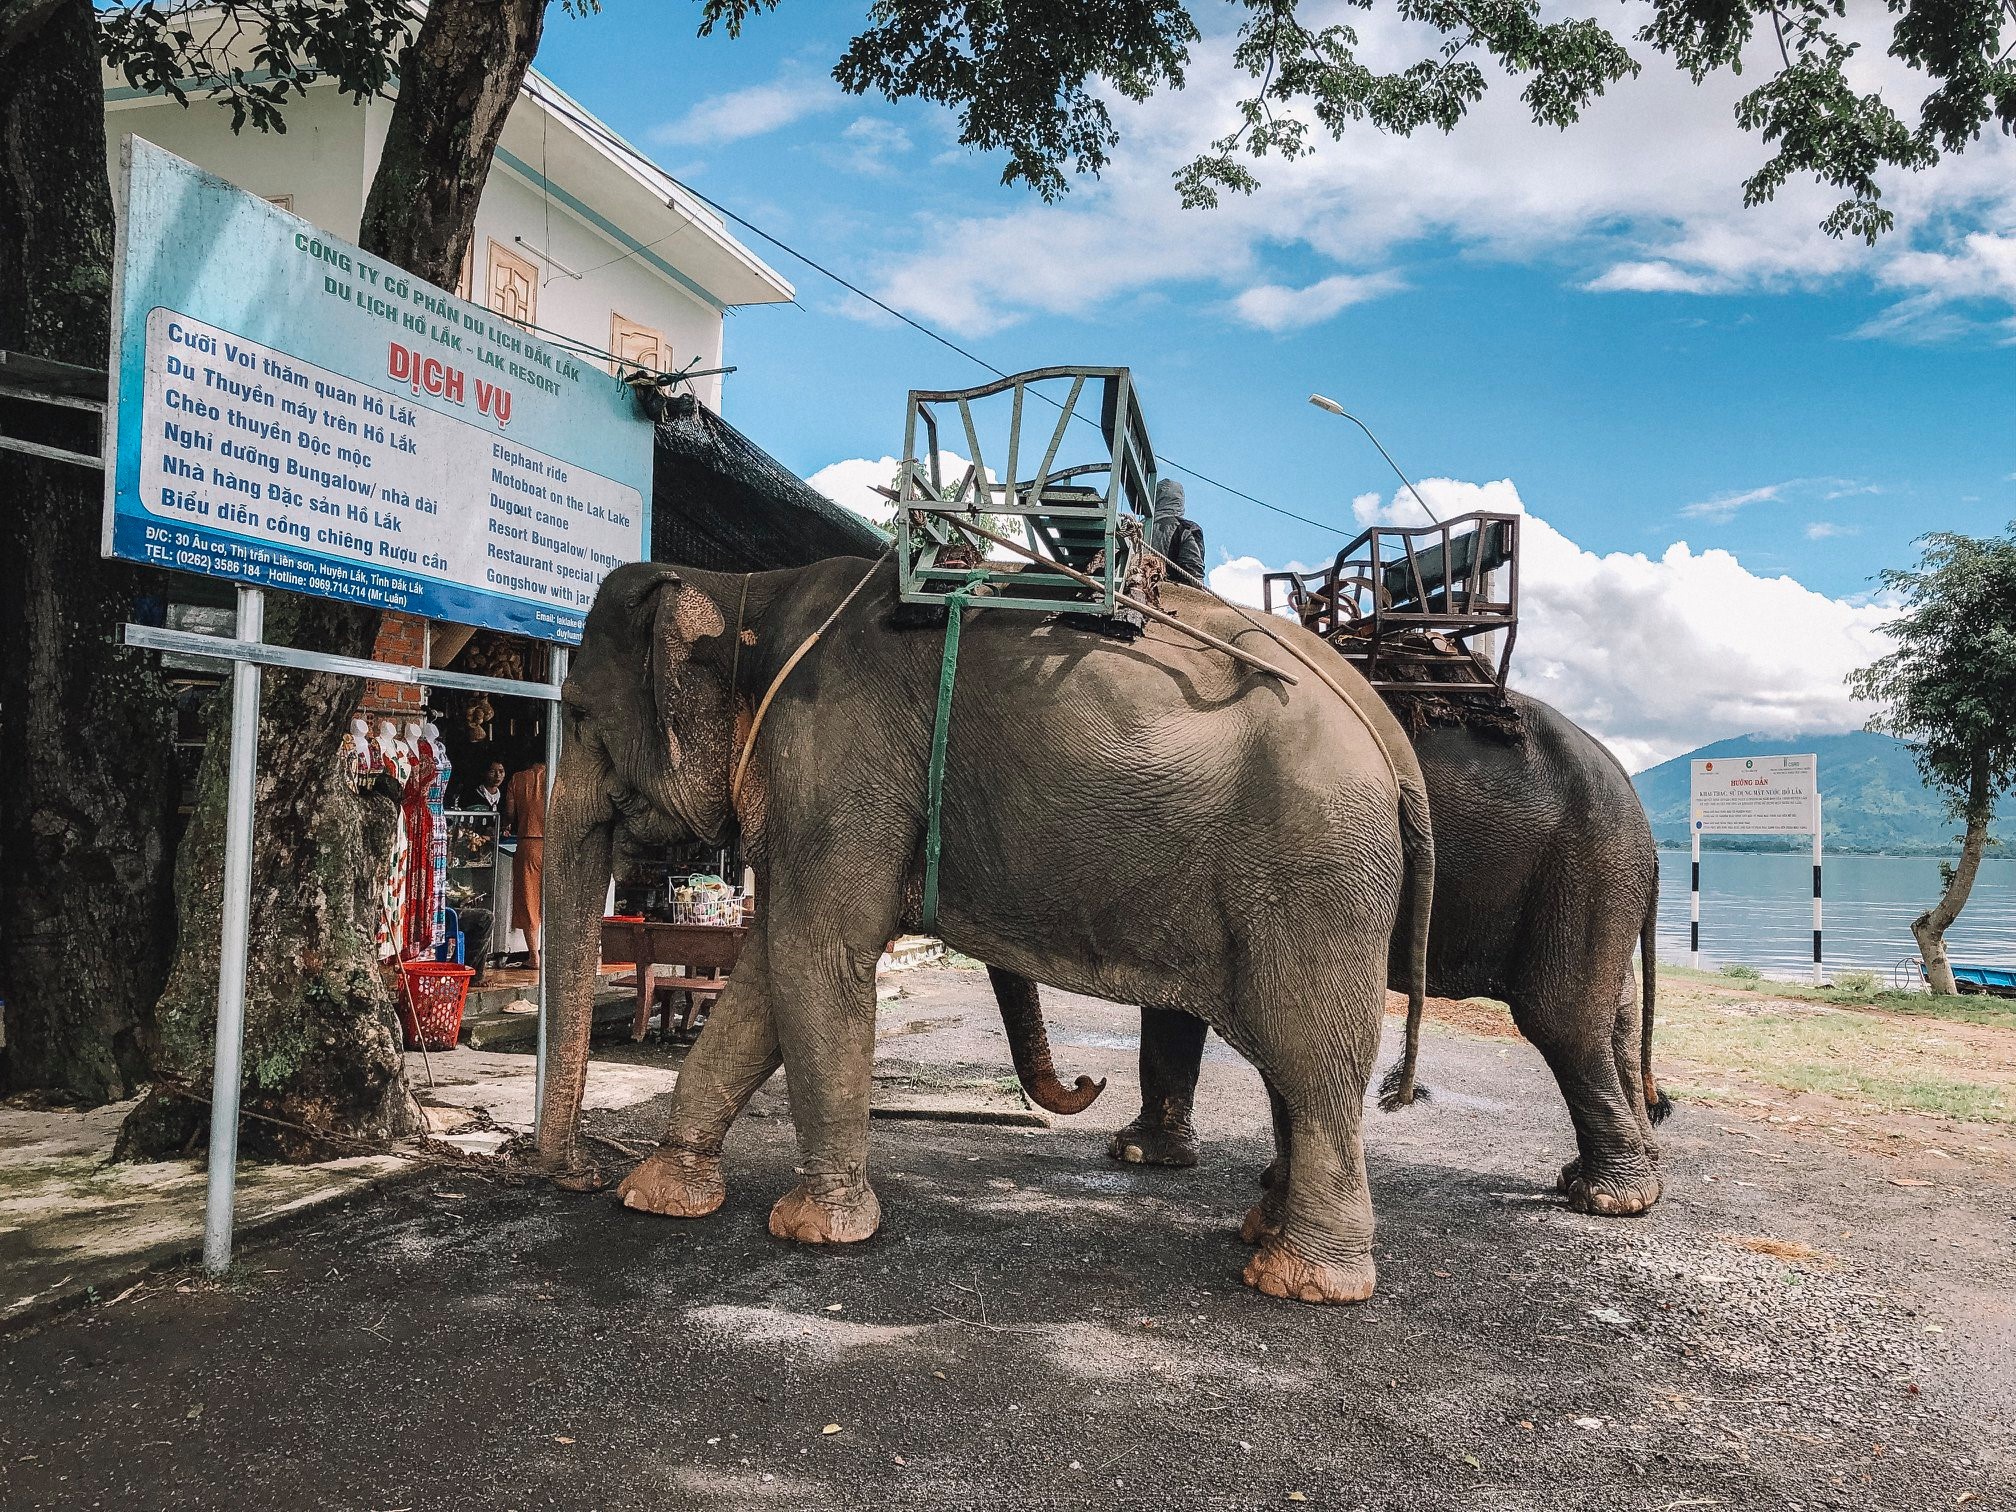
(1758, 909)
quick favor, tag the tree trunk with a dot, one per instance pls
(86, 915)
(1930, 927)
(320, 1046)
(457, 82)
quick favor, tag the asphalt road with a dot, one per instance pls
(1037, 1327)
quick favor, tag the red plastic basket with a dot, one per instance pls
(430, 1010)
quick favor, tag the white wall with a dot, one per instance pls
(618, 282)
(324, 160)
(319, 159)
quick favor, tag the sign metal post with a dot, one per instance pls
(220, 1199)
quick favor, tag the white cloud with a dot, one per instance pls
(1238, 579)
(1644, 195)
(1725, 506)
(1275, 307)
(1657, 655)
(1651, 278)
(753, 111)
(1822, 530)
(871, 145)
(852, 484)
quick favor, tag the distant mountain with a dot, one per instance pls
(1871, 796)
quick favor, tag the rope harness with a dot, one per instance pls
(941, 733)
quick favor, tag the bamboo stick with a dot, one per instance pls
(1147, 610)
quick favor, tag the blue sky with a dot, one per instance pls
(1592, 316)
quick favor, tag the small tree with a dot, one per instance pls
(1949, 690)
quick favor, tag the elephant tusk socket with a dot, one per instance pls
(1147, 610)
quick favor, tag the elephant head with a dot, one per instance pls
(655, 712)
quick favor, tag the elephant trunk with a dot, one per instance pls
(579, 842)
(1029, 1044)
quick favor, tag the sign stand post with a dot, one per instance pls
(1817, 982)
(220, 1198)
(558, 673)
(1694, 905)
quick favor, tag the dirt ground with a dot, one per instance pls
(1817, 1315)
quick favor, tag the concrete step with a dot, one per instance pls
(494, 1029)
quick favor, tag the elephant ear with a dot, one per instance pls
(684, 694)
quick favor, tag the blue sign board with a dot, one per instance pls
(295, 413)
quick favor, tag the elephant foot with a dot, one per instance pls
(675, 1184)
(1262, 1222)
(1145, 1143)
(1280, 1270)
(810, 1217)
(585, 1178)
(1614, 1193)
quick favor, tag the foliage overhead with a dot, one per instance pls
(1028, 78)
(1950, 686)
(251, 55)
(1025, 77)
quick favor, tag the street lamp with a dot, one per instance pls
(1333, 407)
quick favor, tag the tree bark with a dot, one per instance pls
(1930, 927)
(86, 915)
(321, 1049)
(457, 82)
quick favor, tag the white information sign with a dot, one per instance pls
(1755, 795)
(296, 413)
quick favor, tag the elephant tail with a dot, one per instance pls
(1657, 1104)
(1029, 1044)
(1399, 1089)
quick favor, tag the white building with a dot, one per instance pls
(577, 231)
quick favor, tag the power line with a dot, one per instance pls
(597, 129)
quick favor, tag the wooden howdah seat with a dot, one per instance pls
(704, 954)
(1415, 604)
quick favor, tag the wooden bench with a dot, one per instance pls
(706, 952)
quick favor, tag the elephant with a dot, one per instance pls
(1143, 819)
(1546, 880)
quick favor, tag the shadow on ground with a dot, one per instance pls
(1036, 1327)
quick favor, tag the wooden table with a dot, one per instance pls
(707, 952)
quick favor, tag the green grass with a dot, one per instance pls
(1867, 1058)
(1994, 1013)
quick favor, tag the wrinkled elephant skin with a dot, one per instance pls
(1546, 882)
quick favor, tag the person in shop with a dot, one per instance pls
(525, 817)
(488, 793)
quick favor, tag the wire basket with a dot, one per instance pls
(430, 1008)
(702, 899)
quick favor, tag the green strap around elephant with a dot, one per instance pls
(941, 730)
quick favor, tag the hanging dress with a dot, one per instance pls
(398, 765)
(424, 900)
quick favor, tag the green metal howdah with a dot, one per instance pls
(1085, 503)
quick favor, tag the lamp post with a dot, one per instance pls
(1333, 407)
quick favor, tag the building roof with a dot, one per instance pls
(558, 146)
(631, 200)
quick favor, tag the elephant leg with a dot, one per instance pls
(1594, 1060)
(1265, 1217)
(1172, 1053)
(823, 1000)
(734, 1055)
(1322, 1249)
(1322, 1252)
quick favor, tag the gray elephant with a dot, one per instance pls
(1546, 881)
(1146, 820)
